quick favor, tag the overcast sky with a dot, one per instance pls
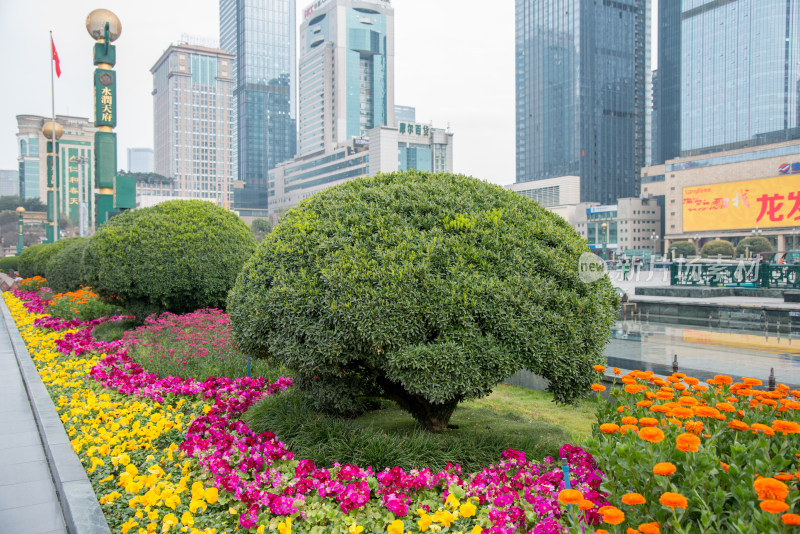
(454, 62)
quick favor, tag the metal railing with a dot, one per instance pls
(752, 274)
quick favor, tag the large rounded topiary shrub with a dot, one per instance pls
(63, 272)
(753, 245)
(683, 249)
(28, 265)
(716, 248)
(427, 289)
(9, 263)
(178, 256)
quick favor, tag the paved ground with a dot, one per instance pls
(28, 501)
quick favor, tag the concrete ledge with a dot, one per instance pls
(82, 513)
(703, 292)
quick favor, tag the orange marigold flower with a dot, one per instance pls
(785, 427)
(632, 499)
(651, 434)
(633, 389)
(687, 401)
(680, 387)
(784, 476)
(664, 469)
(790, 519)
(626, 428)
(740, 414)
(725, 407)
(723, 379)
(792, 405)
(768, 488)
(673, 421)
(751, 381)
(700, 388)
(621, 409)
(612, 515)
(679, 375)
(774, 507)
(598, 387)
(738, 425)
(585, 504)
(692, 381)
(617, 371)
(601, 531)
(628, 380)
(673, 500)
(608, 428)
(725, 466)
(649, 528)
(644, 403)
(648, 421)
(769, 402)
(643, 375)
(628, 420)
(681, 412)
(599, 368)
(659, 408)
(758, 427)
(706, 411)
(664, 395)
(687, 442)
(695, 427)
(570, 496)
(648, 395)
(632, 530)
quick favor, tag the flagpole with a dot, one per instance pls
(53, 139)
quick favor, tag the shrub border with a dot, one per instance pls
(82, 513)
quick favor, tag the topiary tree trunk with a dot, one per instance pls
(433, 416)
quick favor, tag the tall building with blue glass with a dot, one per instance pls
(262, 36)
(582, 83)
(346, 71)
(729, 74)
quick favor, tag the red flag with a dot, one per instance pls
(55, 58)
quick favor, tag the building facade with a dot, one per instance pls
(632, 226)
(729, 75)
(9, 183)
(405, 114)
(141, 160)
(261, 34)
(74, 187)
(384, 149)
(193, 110)
(582, 89)
(730, 195)
(346, 71)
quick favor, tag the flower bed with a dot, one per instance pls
(171, 453)
(692, 457)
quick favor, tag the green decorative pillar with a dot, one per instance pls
(105, 27)
(52, 132)
(20, 241)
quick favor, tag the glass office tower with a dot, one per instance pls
(582, 83)
(262, 36)
(733, 69)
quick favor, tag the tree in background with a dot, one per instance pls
(426, 289)
(752, 246)
(717, 248)
(260, 228)
(683, 249)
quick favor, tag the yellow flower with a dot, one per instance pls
(172, 501)
(187, 519)
(356, 529)
(424, 523)
(169, 521)
(476, 530)
(451, 501)
(211, 495)
(396, 527)
(285, 528)
(194, 506)
(467, 509)
(197, 490)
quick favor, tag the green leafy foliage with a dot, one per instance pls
(260, 228)
(683, 249)
(178, 256)
(717, 247)
(83, 304)
(753, 245)
(63, 272)
(427, 289)
(34, 260)
(11, 203)
(9, 263)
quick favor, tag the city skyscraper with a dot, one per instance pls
(140, 160)
(729, 75)
(582, 78)
(261, 34)
(346, 71)
(193, 111)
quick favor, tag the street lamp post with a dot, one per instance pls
(604, 226)
(52, 132)
(653, 238)
(20, 241)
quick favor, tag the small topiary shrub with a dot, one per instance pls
(63, 272)
(683, 249)
(426, 289)
(9, 263)
(717, 247)
(27, 261)
(752, 246)
(178, 256)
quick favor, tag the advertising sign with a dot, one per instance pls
(74, 183)
(412, 128)
(765, 203)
